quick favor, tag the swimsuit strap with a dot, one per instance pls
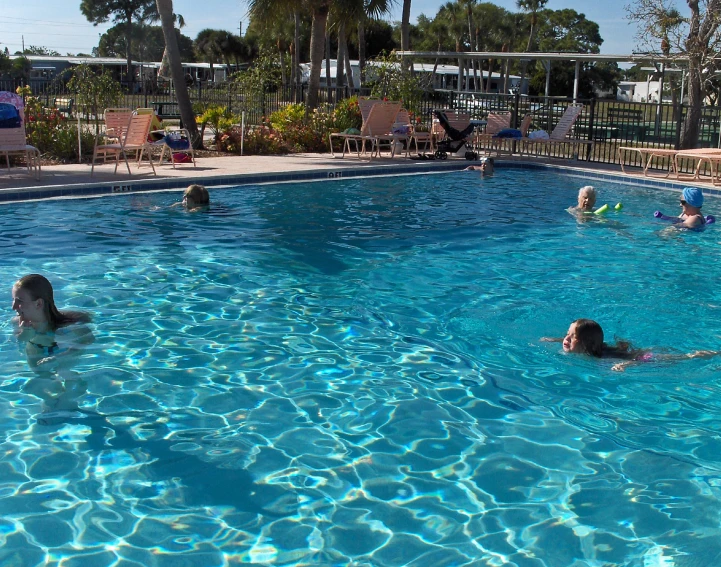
(49, 349)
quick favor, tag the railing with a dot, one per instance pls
(609, 123)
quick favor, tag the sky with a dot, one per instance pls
(59, 25)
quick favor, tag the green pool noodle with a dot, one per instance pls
(618, 206)
(601, 210)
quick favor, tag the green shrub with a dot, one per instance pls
(219, 119)
(347, 114)
(300, 131)
(259, 140)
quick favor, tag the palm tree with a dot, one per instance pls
(406, 26)
(319, 10)
(532, 7)
(165, 11)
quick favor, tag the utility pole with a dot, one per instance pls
(240, 28)
(23, 38)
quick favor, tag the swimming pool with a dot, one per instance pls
(349, 373)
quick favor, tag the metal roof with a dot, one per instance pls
(556, 56)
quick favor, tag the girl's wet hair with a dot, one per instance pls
(590, 336)
(38, 287)
(198, 193)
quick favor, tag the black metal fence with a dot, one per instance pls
(609, 123)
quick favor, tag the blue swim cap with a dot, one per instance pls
(693, 196)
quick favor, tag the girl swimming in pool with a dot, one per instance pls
(585, 336)
(52, 337)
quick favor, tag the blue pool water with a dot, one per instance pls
(349, 373)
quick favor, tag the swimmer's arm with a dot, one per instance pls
(551, 339)
(690, 222)
(78, 337)
(621, 366)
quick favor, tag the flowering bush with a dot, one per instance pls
(258, 140)
(347, 114)
(302, 132)
(51, 132)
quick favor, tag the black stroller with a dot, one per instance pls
(455, 138)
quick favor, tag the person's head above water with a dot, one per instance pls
(196, 196)
(584, 336)
(586, 198)
(34, 303)
(691, 198)
(487, 165)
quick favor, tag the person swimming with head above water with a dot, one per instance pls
(691, 201)
(585, 336)
(486, 167)
(196, 196)
(586, 200)
(52, 339)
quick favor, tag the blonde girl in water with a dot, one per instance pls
(52, 338)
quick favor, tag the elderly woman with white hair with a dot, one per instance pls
(586, 199)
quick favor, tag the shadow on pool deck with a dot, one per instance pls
(229, 168)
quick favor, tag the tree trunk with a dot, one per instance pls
(349, 70)
(128, 52)
(165, 10)
(296, 43)
(317, 47)
(340, 57)
(406, 26)
(283, 78)
(690, 127)
(328, 81)
(362, 51)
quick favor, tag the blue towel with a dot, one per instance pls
(509, 133)
(181, 144)
(9, 116)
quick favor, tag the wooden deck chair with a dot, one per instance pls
(364, 105)
(135, 139)
(13, 141)
(379, 123)
(559, 135)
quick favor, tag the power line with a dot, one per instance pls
(45, 22)
(11, 32)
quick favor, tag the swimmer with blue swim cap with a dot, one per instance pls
(691, 202)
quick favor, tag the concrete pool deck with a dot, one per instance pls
(74, 180)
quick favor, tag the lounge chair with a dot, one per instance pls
(116, 125)
(501, 142)
(414, 136)
(559, 135)
(378, 124)
(364, 105)
(647, 155)
(709, 156)
(403, 132)
(176, 143)
(13, 139)
(495, 122)
(135, 139)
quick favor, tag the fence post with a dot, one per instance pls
(591, 117)
(679, 121)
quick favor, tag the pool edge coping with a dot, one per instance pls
(107, 188)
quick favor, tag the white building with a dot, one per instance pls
(446, 76)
